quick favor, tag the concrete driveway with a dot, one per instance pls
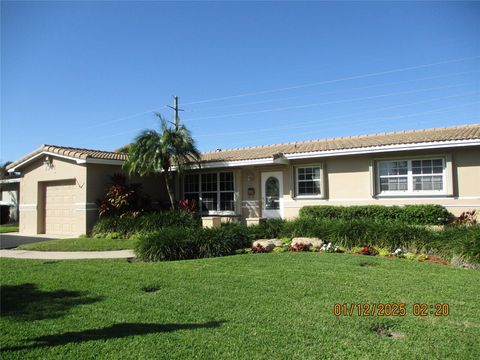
(12, 240)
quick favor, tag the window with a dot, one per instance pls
(422, 176)
(227, 198)
(272, 194)
(191, 187)
(427, 174)
(393, 176)
(308, 181)
(212, 191)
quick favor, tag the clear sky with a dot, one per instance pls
(90, 74)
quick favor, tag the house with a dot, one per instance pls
(9, 193)
(434, 166)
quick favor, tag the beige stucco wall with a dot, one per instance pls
(32, 187)
(98, 180)
(348, 181)
(91, 181)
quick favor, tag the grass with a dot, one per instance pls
(5, 228)
(80, 244)
(259, 306)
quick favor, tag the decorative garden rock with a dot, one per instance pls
(268, 244)
(315, 242)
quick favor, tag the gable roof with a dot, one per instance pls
(465, 135)
(446, 134)
(80, 155)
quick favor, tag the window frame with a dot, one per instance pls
(218, 192)
(320, 195)
(410, 176)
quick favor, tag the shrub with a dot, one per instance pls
(411, 256)
(188, 205)
(151, 222)
(421, 257)
(368, 250)
(280, 249)
(179, 243)
(300, 247)
(258, 248)
(122, 198)
(382, 251)
(455, 240)
(467, 218)
(410, 214)
(112, 236)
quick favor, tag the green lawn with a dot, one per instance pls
(263, 306)
(5, 228)
(80, 244)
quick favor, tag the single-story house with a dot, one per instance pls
(60, 185)
(9, 194)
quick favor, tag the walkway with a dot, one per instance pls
(66, 255)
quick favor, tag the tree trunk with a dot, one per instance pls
(169, 190)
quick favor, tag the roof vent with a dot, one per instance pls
(218, 150)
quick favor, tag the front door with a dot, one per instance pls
(272, 194)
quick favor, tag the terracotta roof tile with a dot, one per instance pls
(76, 153)
(465, 132)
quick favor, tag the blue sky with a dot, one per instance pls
(90, 74)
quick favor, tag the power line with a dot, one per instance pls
(396, 117)
(316, 122)
(289, 88)
(310, 122)
(392, 71)
(324, 103)
(342, 90)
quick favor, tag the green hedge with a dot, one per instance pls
(347, 233)
(150, 222)
(453, 240)
(410, 214)
(177, 243)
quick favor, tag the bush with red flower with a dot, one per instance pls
(188, 205)
(300, 247)
(123, 198)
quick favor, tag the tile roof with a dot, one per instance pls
(464, 132)
(77, 153)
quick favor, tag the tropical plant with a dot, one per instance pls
(122, 198)
(188, 205)
(171, 150)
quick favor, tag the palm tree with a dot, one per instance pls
(172, 149)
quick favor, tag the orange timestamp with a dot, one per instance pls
(390, 309)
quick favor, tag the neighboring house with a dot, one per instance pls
(9, 194)
(434, 166)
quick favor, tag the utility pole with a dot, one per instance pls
(175, 109)
(176, 118)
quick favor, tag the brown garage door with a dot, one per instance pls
(59, 207)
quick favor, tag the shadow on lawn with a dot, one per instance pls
(112, 332)
(26, 302)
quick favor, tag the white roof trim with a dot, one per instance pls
(343, 152)
(385, 148)
(286, 157)
(78, 161)
(218, 164)
(102, 161)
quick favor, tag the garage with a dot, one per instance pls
(59, 207)
(60, 187)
